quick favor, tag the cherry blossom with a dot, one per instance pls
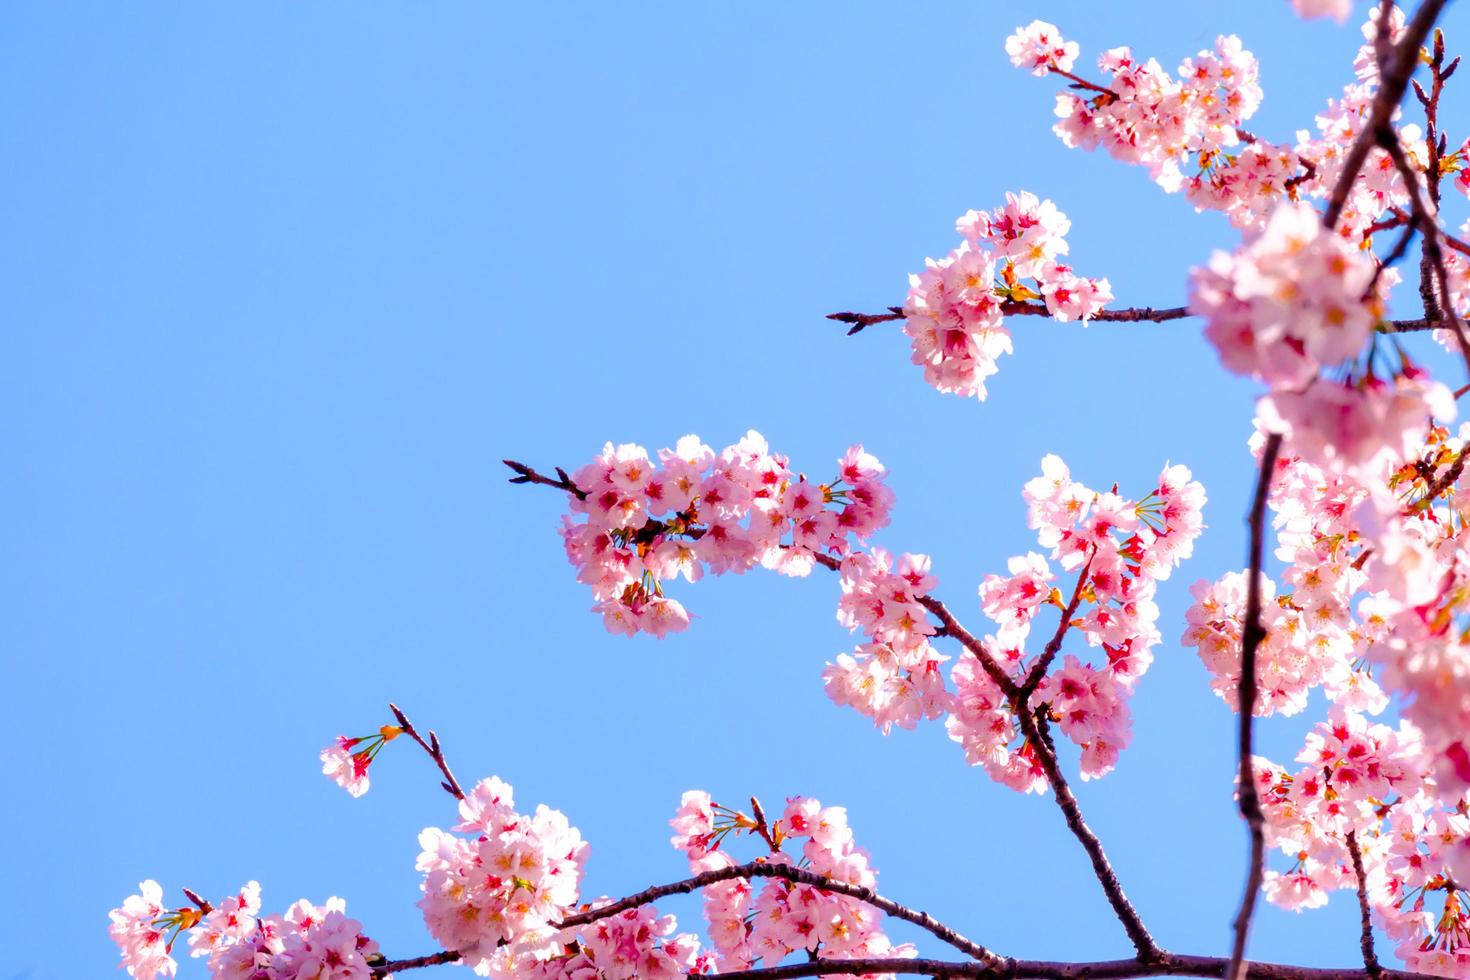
(498, 895)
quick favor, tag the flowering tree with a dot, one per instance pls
(1358, 473)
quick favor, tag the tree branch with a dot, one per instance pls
(524, 474)
(1049, 653)
(1167, 965)
(1392, 83)
(954, 628)
(793, 874)
(1251, 636)
(1033, 727)
(450, 784)
(417, 962)
(1434, 305)
(1132, 314)
(1365, 940)
(1071, 810)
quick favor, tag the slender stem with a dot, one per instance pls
(431, 746)
(954, 628)
(417, 962)
(1136, 314)
(793, 874)
(1365, 939)
(1049, 653)
(1434, 262)
(1034, 728)
(1079, 82)
(524, 474)
(1392, 83)
(1167, 965)
(1071, 810)
(1251, 636)
(194, 897)
(1132, 314)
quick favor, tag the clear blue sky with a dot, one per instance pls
(281, 283)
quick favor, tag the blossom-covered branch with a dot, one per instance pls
(1251, 637)
(787, 873)
(1166, 965)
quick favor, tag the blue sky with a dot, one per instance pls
(282, 283)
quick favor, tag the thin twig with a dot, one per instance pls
(1446, 479)
(1167, 965)
(1392, 83)
(418, 962)
(1033, 727)
(1138, 314)
(1251, 636)
(1079, 82)
(1434, 260)
(1365, 940)
(1071, 810)
(524, 474)
(1132, 314)
(954, 628)
(1049, 653)
(194, 897)
(431, 746)
(793, 874)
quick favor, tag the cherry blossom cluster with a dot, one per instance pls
(497, 896)
(784, 917)
(1186, 130)
(1312, 636)
(1118, 548)
(1146, 116)
(1376, 577)
(1377, 574)
(1336, 9)
(306, 943)
(347, 760)
(1367, 779)
(644, 523)
(1288, 302)
(954, 313)
(895, 679)
(638, 943)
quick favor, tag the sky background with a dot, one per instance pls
(280, 284)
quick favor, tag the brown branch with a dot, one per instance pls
(1033, 727)
(860, 321)
(1071, 811)
(1399, 250)
(194, 897)
(793, 874)
(953, 627)
(1392, 83)
(1167, 965)
(1446, 479)
(418, 962)
(1365, 940)
(1434, 306)
(1251, 636)
(1079, 82)
(1049, 653)
(450, 784)
(1407, 326)
(1132, 314)
(524, 474)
